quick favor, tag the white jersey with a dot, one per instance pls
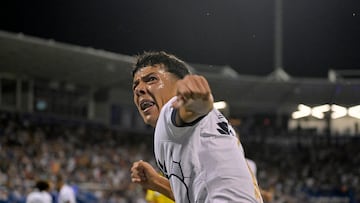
(66, 194)
(39, 197)
(204, 161)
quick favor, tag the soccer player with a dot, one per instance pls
(40, 194)
(195, 147)
(66, 192)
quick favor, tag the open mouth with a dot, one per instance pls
(146, 104)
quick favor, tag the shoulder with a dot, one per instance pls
(166, 123)
(31, 195)
(47, 197)
(168, 105)
(34, 193)
(166, 114)
(66, 189)
(216, 123)
(34, 196)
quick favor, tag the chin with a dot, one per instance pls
(148, 120)
(151, 122)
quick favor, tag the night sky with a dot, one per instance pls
(317, 34)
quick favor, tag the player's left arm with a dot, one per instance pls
(194, 99)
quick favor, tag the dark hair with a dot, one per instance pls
(42, 185)
(172, 64)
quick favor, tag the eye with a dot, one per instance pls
(152, 78)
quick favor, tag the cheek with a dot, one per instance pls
(161, 85)
(158, 90)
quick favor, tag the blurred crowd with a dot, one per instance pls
(96, 161)
(302, 166)
(90, 157)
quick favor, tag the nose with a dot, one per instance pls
(140, 89)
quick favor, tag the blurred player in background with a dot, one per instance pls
(267, 195)
(66, 192)
(40, 194)
(195, 147)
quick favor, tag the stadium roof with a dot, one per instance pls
(31, 57)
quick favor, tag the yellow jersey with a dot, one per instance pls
(156, 197)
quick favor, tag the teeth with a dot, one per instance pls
(146, 104)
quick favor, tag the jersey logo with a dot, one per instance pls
(163, 169)
(223, 128)
(175, 172)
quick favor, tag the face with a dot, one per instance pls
(58, 185)
(153, 86)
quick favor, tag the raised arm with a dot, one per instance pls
(194, 99)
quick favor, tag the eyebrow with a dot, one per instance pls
(136, 82)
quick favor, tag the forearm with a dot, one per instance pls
(162, 185)
(199, 108)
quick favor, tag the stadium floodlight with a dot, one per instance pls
(318, 111)
(220, 105)
(338, 111)
(354, 111)
(303, 111)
